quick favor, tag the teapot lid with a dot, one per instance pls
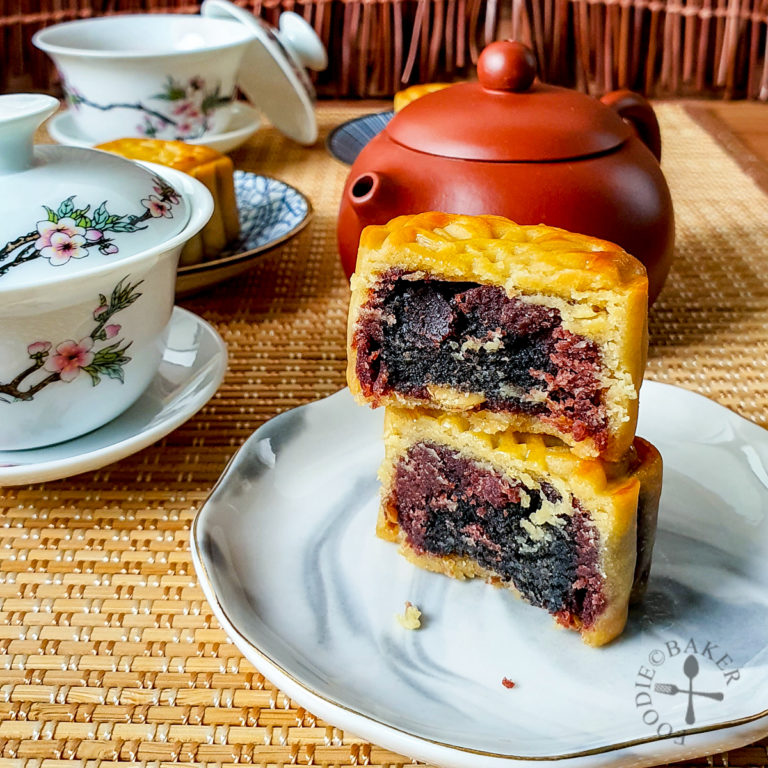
(507, 117)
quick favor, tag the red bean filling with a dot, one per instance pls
(449, 505)
(414, 332)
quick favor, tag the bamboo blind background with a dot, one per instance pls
(108, 651)
(656, 47)
(375, 45)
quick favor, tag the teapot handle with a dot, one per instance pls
(639, 113)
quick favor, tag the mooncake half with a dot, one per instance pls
(528, 327)
(573, 536)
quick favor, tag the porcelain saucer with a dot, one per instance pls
(191, 371)
(346, 141)
(286, 554)
(244, 123)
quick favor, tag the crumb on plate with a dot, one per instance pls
(411, 618)
(507, 683)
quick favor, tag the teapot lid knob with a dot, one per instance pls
(506, 65)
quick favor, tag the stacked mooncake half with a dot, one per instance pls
(509, 359)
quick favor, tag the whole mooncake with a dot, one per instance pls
(530, 328)
(407, 95)
(572, 536)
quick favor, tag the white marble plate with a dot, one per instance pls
(286, 554)
(192, 368)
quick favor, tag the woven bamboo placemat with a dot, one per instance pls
(108, 651)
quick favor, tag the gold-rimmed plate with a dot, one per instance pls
(286, 554)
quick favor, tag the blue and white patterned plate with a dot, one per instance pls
(271, 212)
(346, 140)
(286, 554)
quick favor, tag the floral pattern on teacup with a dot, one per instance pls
(184, 112)
(69, 232)
(68, 359)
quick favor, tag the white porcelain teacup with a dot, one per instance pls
(89, 246)
(166, 76)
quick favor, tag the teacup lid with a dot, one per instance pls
(68, 210)
(272, 74)
(506, 116)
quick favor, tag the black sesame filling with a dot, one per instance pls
(416, 333)
(449, 505)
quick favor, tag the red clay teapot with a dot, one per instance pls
(535, 153)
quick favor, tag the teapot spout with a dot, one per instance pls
(366, 194)
(368, 199)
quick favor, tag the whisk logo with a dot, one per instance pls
(677, 678)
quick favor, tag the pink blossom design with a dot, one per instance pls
(47, 229)
(157, 207)
(168, 194)
(93, 235)
(109, 249)
(64, 361)
(38, 348)
(69, 358)
(64, 247)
